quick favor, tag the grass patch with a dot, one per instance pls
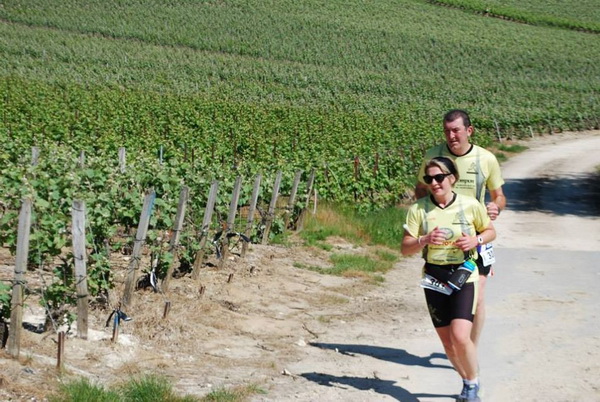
(355, 266)
(515, 148)
(324, 319)
(281, 239)
(502, 150)
(350, 264)
(332, 299)
(501, 156)
(236, 394)
(81, 390)
(382, 227)
(147, 388)
(386, 256)
(151, 388)
(330, 221)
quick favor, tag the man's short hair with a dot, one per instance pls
(458, 113)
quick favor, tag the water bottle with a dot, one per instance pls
(461, 274)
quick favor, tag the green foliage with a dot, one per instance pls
(260, 87)
(5, 300)
(581, 15)
(58, 295)
(99, 274)
(582, 11)
(297, 77)
(196, 93)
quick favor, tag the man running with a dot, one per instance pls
(478, 169)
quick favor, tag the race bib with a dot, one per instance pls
(429, 282)
(486, 251)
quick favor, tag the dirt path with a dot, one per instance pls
(542, 339)
(302, 336)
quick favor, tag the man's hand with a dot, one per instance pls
(492, 210)
(497, 204)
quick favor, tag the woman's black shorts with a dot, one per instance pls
(443, 308)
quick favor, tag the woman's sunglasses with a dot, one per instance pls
(438, 177)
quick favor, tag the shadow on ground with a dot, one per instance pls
(393, 355)
(574, 195)
(384, 387)
(378, 385)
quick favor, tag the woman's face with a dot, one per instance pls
(441, 183)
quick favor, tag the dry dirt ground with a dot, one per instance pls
(303, 336)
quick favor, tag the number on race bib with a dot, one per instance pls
(487, 254)
(429, 282)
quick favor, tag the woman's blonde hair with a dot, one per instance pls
(446, 165)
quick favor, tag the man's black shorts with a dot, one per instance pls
(483, 270)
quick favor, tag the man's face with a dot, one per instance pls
(457, 136)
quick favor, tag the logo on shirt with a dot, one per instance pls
(472, 169)
(460, 219)
(448, 233)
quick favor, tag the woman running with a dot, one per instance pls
(444, 226)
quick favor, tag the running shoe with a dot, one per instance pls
(469, 393)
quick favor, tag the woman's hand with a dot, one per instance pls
(436, 236)
(466, 242)
(411, 245)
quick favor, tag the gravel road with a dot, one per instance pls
(541, 341)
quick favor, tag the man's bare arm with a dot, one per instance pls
(497, 204)
(420, 190)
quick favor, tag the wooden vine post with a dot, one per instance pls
(309, 187)
(498, 130)
(251, 210)
(289, 209)
(174, 242)
(210, 206)
(79, 254)
(235, 197)
(271, 212)
(356, 175)
(35, 156)
(140, 238)
(16, 309)
(60, 354)
(122, 161)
